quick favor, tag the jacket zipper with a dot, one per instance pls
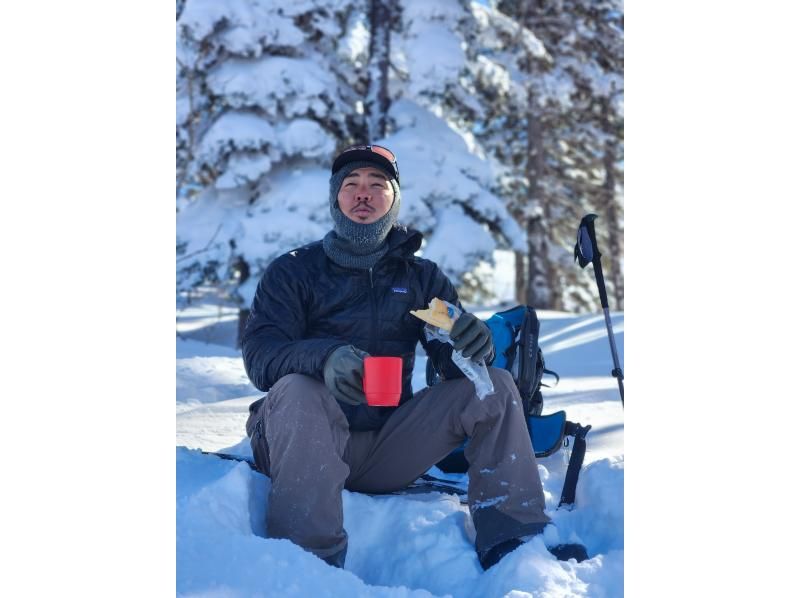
(374, 313)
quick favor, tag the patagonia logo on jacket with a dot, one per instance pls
(399, 290)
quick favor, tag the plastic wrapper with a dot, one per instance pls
(477, 373)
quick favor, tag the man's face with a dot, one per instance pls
(366, 195)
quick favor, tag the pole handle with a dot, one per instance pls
(587, 222)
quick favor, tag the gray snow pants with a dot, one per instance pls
(301, 440)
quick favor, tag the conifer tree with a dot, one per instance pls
(452, 194)
(503, 124)
(268, 92)
(561, 68)
(263, 98)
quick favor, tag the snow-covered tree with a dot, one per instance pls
(554, 71)
(263, 100)
(449, 187)
(267, 92)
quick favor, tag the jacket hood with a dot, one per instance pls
(403, 241)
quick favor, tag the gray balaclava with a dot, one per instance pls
(352, 244)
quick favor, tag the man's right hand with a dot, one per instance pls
(344, 373)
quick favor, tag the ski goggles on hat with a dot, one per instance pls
(368, 153)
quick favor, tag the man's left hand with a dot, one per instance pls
(472, 337)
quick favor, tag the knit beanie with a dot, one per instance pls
(353, 244)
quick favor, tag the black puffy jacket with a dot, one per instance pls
(306, 306)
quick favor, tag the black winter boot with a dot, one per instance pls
(492, 556)
(337, 560)
(565, 552)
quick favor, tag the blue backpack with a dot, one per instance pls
(515, 334)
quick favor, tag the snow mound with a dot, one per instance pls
(411, 545)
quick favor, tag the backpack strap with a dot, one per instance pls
(530, 356)
(578, 432)
(552, 373)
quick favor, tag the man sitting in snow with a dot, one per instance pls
(318, 311)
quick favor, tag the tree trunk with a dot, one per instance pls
(614, 234)
(539, 292)
(380, 16)
(520, 293)
(614, 244)
(538, 282)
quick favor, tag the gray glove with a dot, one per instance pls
(344, 372)
(472, 337)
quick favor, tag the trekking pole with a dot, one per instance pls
(586, 251)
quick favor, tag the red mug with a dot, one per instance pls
(383, 380)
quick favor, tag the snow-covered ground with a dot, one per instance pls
(417, 545)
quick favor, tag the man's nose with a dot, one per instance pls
(362, 193)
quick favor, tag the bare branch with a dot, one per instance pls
(204, 249)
